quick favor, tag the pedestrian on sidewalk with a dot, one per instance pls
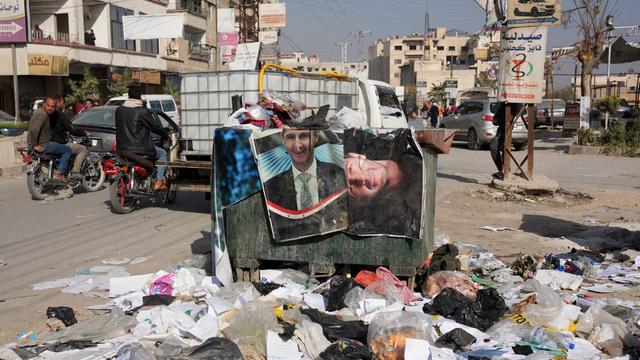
(497, 144)
(434, 112)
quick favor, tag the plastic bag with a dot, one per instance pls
(449, 279)
(251, 324)
(366, 277)
(388, 332)
(347, 118)
(334, 328)
(549, 309)
(346, 349)
(98, 328)
(486, 310)
(162, 285)
(238, 293)
(339, 288)
(378, 295)
(456, 340)
(62, 313)
(186, 280)
(604, 330)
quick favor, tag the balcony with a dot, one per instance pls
(194, 7)
(415, 52)
(198, 52)
(54, 38)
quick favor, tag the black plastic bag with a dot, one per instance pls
(72, 345)
(157, 299)
(484, 312)
(212, 348)
(62, 313)
(346, 349)
(456, 340)
(265, 288)
(449, 302)
(338, 289)
(334, 328)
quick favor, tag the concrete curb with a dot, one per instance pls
(584, 150)
(10, 159)
(12, 171)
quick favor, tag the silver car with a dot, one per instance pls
(543, 112)
(474, 121)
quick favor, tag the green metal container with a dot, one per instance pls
(249, 240)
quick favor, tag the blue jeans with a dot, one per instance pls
(63, 152)
(161, 154)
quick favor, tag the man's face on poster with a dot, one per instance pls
(365, 178)
(299, 145)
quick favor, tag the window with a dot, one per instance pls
(117, 34)
(452, 48)
(149, 46)
(396, 75)
(427, 47)
(398, 47)
(96, 118)
(168, 105)
(412, 47)
(474, 107)
(155, 105)
(333, 69)
(397, 61)
(440, 48)
(309, 69)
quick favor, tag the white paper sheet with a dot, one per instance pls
(128, 284)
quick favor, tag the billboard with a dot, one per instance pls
(269, 45)
(246, 57)
(13, 22)
(522, 57)
(523, 13)
(48, 65)
(228, 44)
(143, 27)
(272, 16)
(226, 20)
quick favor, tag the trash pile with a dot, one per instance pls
(275, 110)
(469, 305)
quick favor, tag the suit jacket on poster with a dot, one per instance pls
(281, 190)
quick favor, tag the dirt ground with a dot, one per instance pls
(582, 218)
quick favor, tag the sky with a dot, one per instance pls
(314, 26)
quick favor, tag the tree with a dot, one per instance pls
(121, 85)
(591, 18)
(81, 90)
(482, 80)
(437, 93)
(173, 90)
(566, 94)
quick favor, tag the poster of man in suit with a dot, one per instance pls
(302, 172)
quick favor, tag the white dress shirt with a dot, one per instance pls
(313, 183)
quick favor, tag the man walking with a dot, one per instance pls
(497, 144)
(60, 121)
(39, 138)
(434, 111)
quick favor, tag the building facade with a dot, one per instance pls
(312, 64)
(88, 34)
(439, 46)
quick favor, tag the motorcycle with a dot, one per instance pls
(131, 183)
(41, 166)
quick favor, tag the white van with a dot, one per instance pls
(160, 102)
(379, 104)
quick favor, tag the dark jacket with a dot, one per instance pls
(60, 122)
(433, 113)
(39, 128)
(134, 125)
(281, 190)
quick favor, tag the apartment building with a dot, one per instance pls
(76, 35)
(625, 86)
(312, 64)
(439, 46)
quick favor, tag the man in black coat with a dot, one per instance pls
(296, 193)
(60, 122)
(134, 125)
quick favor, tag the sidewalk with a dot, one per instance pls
(10, 160)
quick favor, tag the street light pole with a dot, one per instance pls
(609, 28)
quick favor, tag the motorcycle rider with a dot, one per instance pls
(134, 124)
(60, 122)
(39, 138)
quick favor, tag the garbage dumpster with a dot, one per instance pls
(249, 241)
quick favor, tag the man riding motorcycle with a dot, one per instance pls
(60, 122)
(134, 124)
(39, 138)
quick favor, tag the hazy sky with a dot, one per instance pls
(314, 26)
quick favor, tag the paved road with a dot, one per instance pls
(46, 241)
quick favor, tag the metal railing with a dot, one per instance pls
(198, 52)
(53, 37)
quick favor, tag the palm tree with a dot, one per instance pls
(437, 93)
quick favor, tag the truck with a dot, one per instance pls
(206, 102)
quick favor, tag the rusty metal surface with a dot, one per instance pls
(439, 140)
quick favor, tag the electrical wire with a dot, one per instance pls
(342, 12)
(291, 42)
(319, 18)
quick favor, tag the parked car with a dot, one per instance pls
(6, 117)
(158, 102)
(543, 112)
(473, 122)
(100, 122)
(625, 110)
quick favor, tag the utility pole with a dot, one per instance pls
(343, 50)
(248, 20)
(360, 35)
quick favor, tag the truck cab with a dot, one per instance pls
(379, 104)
